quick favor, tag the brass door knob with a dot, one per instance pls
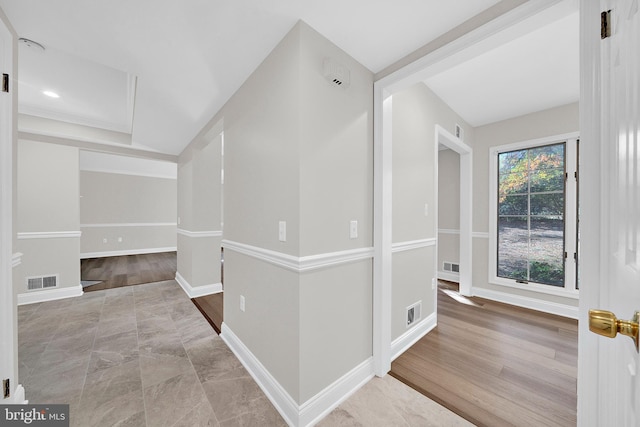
(605, 323)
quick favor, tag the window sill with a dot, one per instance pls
(536, 287)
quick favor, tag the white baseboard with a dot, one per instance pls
(409, 338)
(563, 310)
(315, 408)
(198, 291)
(451, 277)
(105, 254)
(18, 397)
(49, 295)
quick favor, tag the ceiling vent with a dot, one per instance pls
(42, 282)
(337, 74)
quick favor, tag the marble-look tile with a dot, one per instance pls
(339, 418)
(200, 416)
(116, 325)
(162, 358)
(169, 401)
(103, 386)
(213, 361)
(193, 329)
(152, 328)
(78, 344)
(232, 398)
(260, 412)
(126, 409)
(113, 350)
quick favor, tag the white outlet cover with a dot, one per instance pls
(353, 229)
(282, 231)
(242, 306)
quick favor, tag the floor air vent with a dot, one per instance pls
(42, 282)
(414, 313)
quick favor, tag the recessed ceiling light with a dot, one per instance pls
(50, 94)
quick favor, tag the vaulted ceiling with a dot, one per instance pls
(158, 70)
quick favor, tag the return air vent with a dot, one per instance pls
(414, 312)
(42, 282)
(452, 267)
(336, 73)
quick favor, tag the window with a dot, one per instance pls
(533, 238)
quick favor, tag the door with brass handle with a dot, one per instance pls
(605, 323)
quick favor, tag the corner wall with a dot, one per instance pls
(298, 150)
(48, 226)
(416, 112)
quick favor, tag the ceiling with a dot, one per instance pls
(158, 70)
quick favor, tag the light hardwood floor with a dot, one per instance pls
(496, 364)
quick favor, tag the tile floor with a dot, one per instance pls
(144, 356)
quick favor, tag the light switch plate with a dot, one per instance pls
(241, 302)
(282, 231)
(353, 229)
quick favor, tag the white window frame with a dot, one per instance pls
(569, 289)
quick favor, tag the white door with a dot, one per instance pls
(7, 303)
(609, 381)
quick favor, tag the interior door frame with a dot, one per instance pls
(455, 144)
(481, 39)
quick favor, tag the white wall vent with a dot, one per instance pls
(337, 74)
(459, 132)
(414, 312)
(42, 282)
(452, 267)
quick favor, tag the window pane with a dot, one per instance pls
(546, 263)
(544, 180)
(513, 205)
(531, 207)
(513, 247)
(547, 204)
(547, 157)
(513, 161)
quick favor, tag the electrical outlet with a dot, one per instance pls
(6, 388)
(426, 209)
(119, 239)
(241, 302)
(104, 240)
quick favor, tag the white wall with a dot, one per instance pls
(135, 214)
(297, 149)
(200, 215)
(448, 208)
(48, 204)
(416, 112)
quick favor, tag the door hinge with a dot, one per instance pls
(5, 82)
(605, 24)
(6, 388)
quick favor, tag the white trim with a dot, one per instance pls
(409, 338)
(49, 295)
(314, 409)
(16, 259)
(131, 224)
(198, 291)
(563, 310)
(299, 264)
(480, 234)
(142, 251)
(17, 396)
(128, 172)
(413, 244)
(448, 231)
(217, 233)
(449, 276)
(49, 235)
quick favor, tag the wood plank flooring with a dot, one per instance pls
(496, 364)
(115, 272)
(211, 307)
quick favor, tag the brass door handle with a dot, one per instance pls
(605, 323)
